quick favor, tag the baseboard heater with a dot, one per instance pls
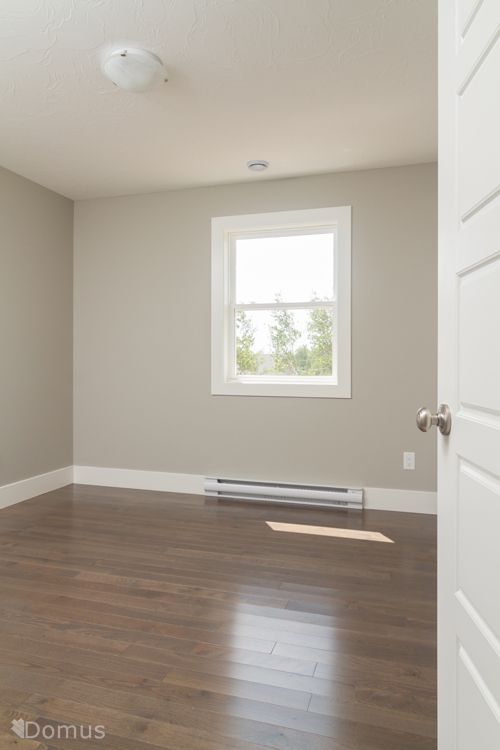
(317, 496)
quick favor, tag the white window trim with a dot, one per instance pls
(226, 383)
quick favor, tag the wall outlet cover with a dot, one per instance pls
(409, 461)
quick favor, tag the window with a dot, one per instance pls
(281, 303)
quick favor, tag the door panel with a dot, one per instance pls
(479, 518)
(477, 436)
(478, 142)
(473, 697)
(475, 76)
(479, 321)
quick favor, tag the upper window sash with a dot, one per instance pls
(276, 232)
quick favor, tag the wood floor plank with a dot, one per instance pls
(150, 731)
(180, 623)
(11, 741)
(405, 652)
(241, 688)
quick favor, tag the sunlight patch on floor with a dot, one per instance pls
(298, 528)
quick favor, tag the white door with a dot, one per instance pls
(469, 375)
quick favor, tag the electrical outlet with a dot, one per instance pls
(408, 461)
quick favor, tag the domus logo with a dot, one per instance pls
(32, 730)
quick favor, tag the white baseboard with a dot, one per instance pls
(38, 485)
(405, 501)
(161, 481)
(376, 498)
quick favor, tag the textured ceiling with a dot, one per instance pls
(310, 85)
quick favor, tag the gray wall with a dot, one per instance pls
(36, 329)
(142, 327)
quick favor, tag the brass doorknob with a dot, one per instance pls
(442, 419)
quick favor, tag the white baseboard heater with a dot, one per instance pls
(316, 496)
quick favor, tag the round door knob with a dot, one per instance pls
(425, 419)
(442, 419)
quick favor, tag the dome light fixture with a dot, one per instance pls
(134, 69)
(257, 165)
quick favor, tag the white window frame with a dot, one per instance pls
(225, 231)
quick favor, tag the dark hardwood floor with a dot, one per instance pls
(185, 624)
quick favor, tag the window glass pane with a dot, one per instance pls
(284, 342)
(298, 268)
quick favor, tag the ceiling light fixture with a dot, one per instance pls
(134, 69)
(257, 165)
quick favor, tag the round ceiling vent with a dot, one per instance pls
(257, 165)
(134, 69)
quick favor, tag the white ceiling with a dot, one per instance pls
(310, 85)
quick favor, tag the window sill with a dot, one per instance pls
(249, 387)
